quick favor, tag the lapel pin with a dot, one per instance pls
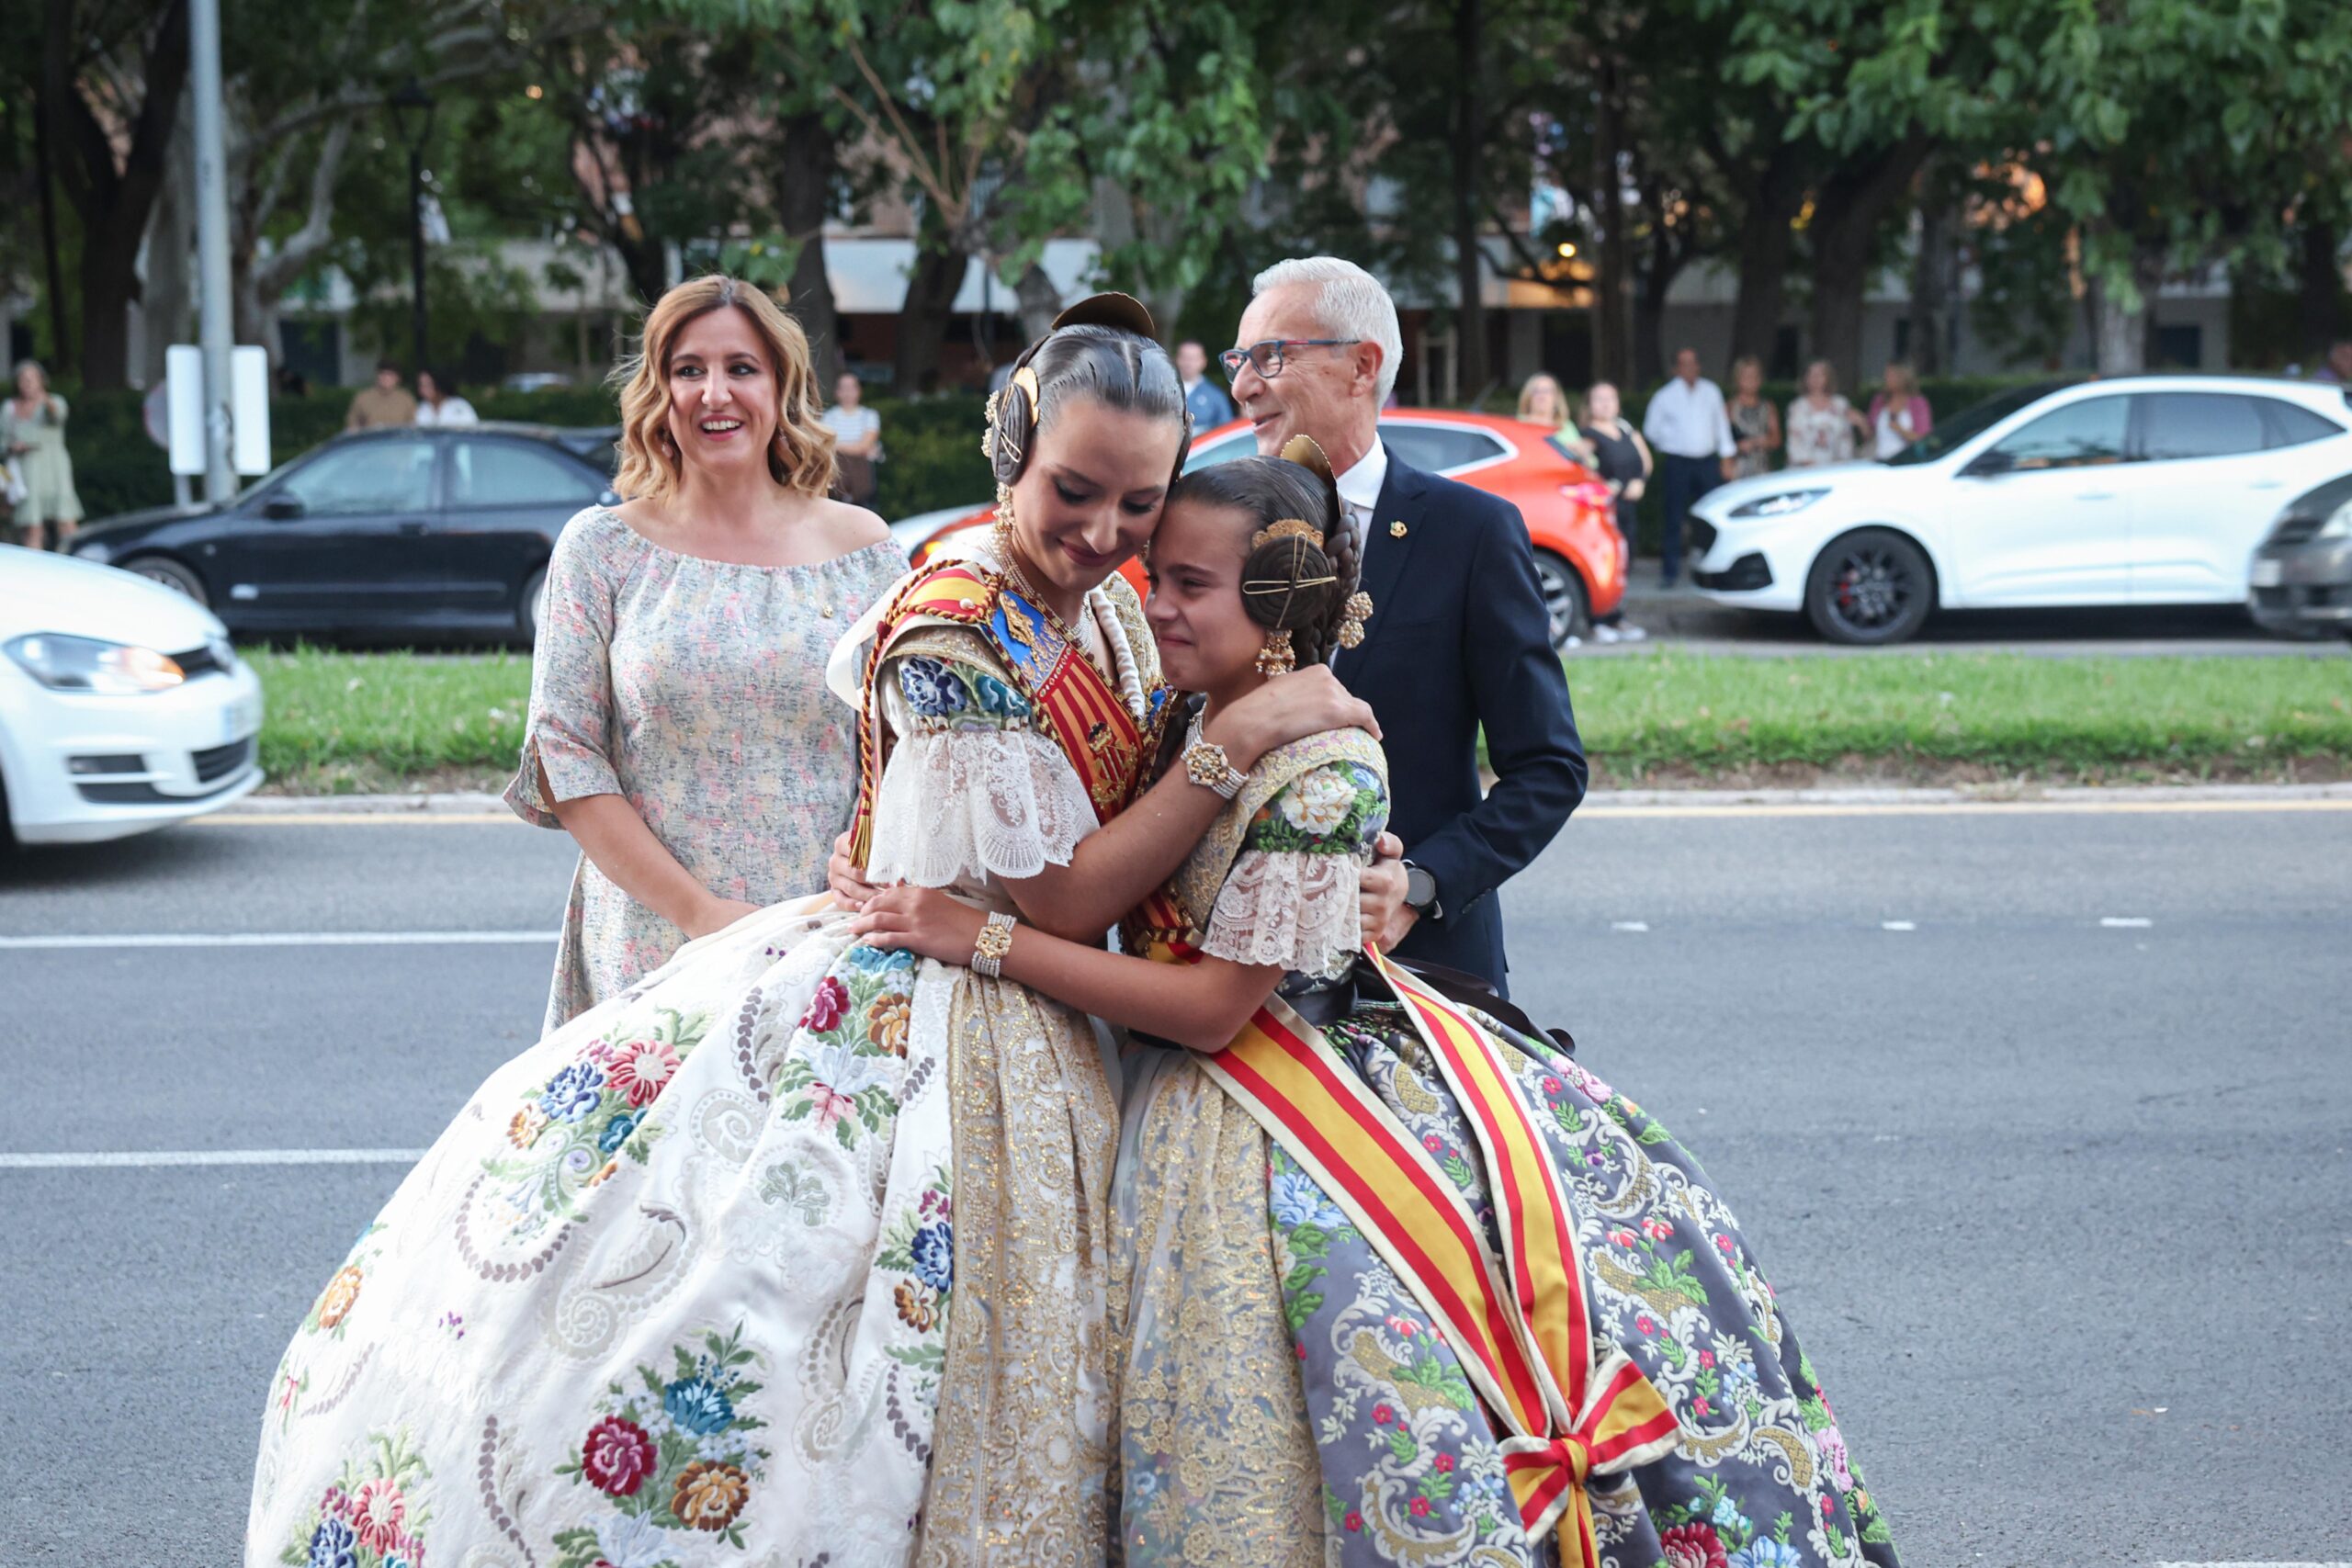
(1396, 530)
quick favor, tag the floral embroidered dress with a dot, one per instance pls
(793, 1251)
(694, 689)
(1288, 1399)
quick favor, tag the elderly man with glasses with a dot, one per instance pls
(1459, 639)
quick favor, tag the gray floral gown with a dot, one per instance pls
(694, 689)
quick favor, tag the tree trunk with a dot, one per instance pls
(1931, 290)
(1040, 302)
(2320, 316)
(167, 292)
(923, 319)
(1848, 210)
(112, 201)
(2120, 331)
(1764, 239)
(1666, 260)
(1468, 152)
(61, 353)
(1613, 320)
(804, 191)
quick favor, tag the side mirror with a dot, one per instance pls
(278, 508)
(1991, 461)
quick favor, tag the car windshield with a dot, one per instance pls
(1970, 422)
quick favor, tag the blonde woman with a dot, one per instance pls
(1822, 426)
(1898, 415)
(1543, 401)
(679, 727)
(32, 439)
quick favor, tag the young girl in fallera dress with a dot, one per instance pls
(794, 1250)
(1395, 1281)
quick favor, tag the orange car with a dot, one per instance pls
(1580, 556)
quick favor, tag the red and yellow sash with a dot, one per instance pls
(1078, 708)
(1519, 1324)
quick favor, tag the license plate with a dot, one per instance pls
(2269, 573)
(241, 718)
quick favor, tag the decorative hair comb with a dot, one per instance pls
(1287, 528)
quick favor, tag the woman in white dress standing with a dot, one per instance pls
(680, 729)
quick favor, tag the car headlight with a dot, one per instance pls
(96, 552)
(85, 665)
(1778, 506)
(2338, 525)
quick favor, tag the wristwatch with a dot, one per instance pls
(1206, 765)
(1420, 892)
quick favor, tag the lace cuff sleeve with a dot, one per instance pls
(1288, 907)
(975, 803)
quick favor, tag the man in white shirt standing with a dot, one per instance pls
(1690, 432)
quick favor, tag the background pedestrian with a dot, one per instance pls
(1543, 401)
(1203, 398)
(1622, 460)
(1822, 426)
(32, 433)
(2338, 368)
(1755, 423)
(1899, 415)
(383, 405)
(1687, 425)
(438, 403)
(857, 438)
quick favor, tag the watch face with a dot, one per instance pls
(1420, 887)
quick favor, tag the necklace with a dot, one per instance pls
(1029, 591)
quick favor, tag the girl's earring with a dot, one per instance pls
(1277, 658)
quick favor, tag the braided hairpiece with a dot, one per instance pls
(1299, 577)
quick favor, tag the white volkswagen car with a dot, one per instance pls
(122, 706)
(2142, 490)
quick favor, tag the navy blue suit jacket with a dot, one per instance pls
(1459, 639)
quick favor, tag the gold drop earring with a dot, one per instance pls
(1277, 658)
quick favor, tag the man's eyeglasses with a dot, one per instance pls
(1266, 358)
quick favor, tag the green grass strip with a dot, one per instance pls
(341, 721)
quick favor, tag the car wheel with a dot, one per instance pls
(171, 574)
(532, 607)
(1563, 598)
(1871, 586)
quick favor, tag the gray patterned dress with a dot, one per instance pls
(695, 689)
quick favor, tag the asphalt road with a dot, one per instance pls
(2059, 1205)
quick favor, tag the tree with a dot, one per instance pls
(110, 74)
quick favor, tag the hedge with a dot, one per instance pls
(933, 443)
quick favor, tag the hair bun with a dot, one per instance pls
(1124, 311)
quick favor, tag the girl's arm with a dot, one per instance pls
(1201, 1005)
(1771, 428)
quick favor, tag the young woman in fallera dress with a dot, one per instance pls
(1395, 1281)
(794, 1250)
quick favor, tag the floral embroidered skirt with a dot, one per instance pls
(790, 1251)
(1287, 1400)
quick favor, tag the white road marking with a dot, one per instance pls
(2333, 1564)
(1898, 926)
(118, 1159)
(2126, 923)
(281, 939)
(1629, 925)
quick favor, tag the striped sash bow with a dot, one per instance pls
(1519, 1323)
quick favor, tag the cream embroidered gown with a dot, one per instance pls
(791, 1252)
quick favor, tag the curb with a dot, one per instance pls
(1599, 801)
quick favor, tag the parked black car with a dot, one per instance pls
(2301, 574)
(418, 530)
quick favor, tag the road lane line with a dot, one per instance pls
(356, 820)
(2126, 923)
(1629, 925)
(281, 939)
(119, 1159)
(1898, 926)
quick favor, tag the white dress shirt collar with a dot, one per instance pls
(1360, 486)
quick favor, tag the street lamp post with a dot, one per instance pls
(412, 108)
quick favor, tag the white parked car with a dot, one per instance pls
(2142, 490)
(122, 706)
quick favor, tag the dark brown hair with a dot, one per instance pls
(1271, 489)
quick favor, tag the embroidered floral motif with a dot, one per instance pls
(673, 1453)
(372, 1515)
(921, 1243)
(846, 1078)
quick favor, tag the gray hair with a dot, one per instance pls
(1350, 303)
